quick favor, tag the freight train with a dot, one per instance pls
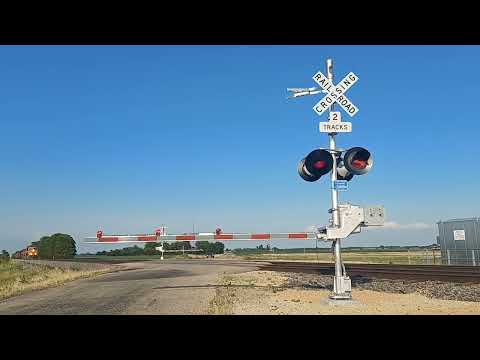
(31, 252)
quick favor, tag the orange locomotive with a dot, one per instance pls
(30, 252)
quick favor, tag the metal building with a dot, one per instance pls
(459, 241)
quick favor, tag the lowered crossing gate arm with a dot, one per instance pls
(159, 237)
(351, 217)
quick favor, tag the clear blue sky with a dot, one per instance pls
(125, 138)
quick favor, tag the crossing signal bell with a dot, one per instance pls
(355, 161)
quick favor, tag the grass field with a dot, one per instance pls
(17, 277)
(373, 257)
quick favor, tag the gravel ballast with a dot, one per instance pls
(432, 289)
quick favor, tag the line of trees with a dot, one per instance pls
(210, 248)
(128, 251)
(149, 249)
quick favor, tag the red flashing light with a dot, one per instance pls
(320, 164)
(359, 164)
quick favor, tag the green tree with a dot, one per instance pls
(180, 245)
(56, 246)
(218, 248)
(45, 250)
(64, 246)
(149, 248)
(128, 251)
(4, 256)
(135, 251)
(203, 245)
(210, 248)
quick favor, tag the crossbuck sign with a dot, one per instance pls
(335, 93)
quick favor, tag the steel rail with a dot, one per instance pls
(386, 271)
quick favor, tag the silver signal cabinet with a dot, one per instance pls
(459, 241)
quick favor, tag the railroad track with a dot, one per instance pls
(386, 271)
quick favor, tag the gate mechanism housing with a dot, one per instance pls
(352, 219)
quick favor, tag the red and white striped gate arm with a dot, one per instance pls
(158, 237)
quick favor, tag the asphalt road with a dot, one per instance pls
(144, 288)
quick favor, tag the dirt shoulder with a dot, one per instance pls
(274, 293)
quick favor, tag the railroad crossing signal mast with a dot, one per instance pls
(346, 218)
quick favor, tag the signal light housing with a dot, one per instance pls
(355, 161)
(315, 165)
(358, 161)
(304, 174)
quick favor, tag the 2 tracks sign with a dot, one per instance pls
(335, 124)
